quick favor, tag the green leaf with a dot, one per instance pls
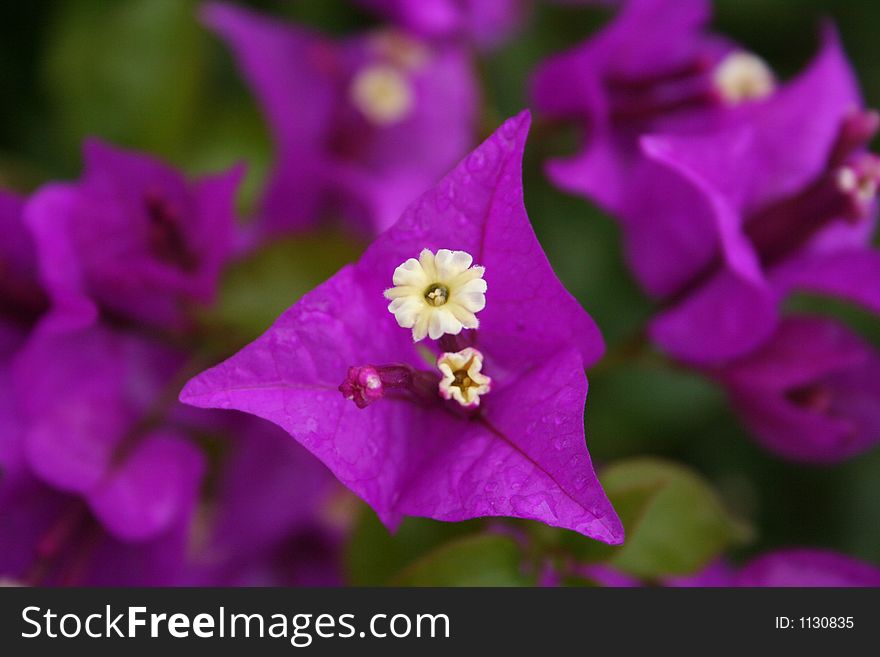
(630, 502)
(675, 522)
(644, 406)
(129, 71)
(481, 560)
(857, 318)
(374, 555)
(231, 134)
(256, 290)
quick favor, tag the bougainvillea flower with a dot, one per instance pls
(811, 392)
(90, 402)
(717, 574)
(386, 116)
(485, 23)
(607, 576)
(338, 373)
(266, 523)
(791, 567)
(50, 538)
(787, 200)
(808, 567)
(22, 302)
(655, 68)
(11, 339)
(741, 176)
(21, 297)
(133, 237)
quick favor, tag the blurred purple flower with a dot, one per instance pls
(811, 392)
(132, 237)
(717, 574)
(808, 567)
(508, 440)
(22, 302)
(22, 299)
(365, 123)
(11, 339)
(486, 23)
(791, 567)
(607, 576)
(784, 201)
(51, 538)
(731, 189)
(654, 68)
(90, 494)
(264, 526)
(87, 502)
(91, 403)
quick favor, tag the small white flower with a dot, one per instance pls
(383, 94)
(437, 294)
(743, 76)
(463, 379)
(859, 181)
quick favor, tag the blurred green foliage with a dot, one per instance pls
(145, 74)
(479, 560)
(256, 290)
(681, 526)
(374, 556)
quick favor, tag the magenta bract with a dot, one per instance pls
(522, 453)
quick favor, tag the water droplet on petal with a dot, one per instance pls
(476, 161)
(442, 200)
(509, 129)
(560, 444)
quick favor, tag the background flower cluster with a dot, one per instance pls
(175, 175)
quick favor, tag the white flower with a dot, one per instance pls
(437, 294)
(743, 76)
(463, 380)
(382, 93)
(859, 180)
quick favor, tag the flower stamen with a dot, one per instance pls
(437, 294)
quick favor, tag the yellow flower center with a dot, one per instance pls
(437, 294)
(383, 94)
